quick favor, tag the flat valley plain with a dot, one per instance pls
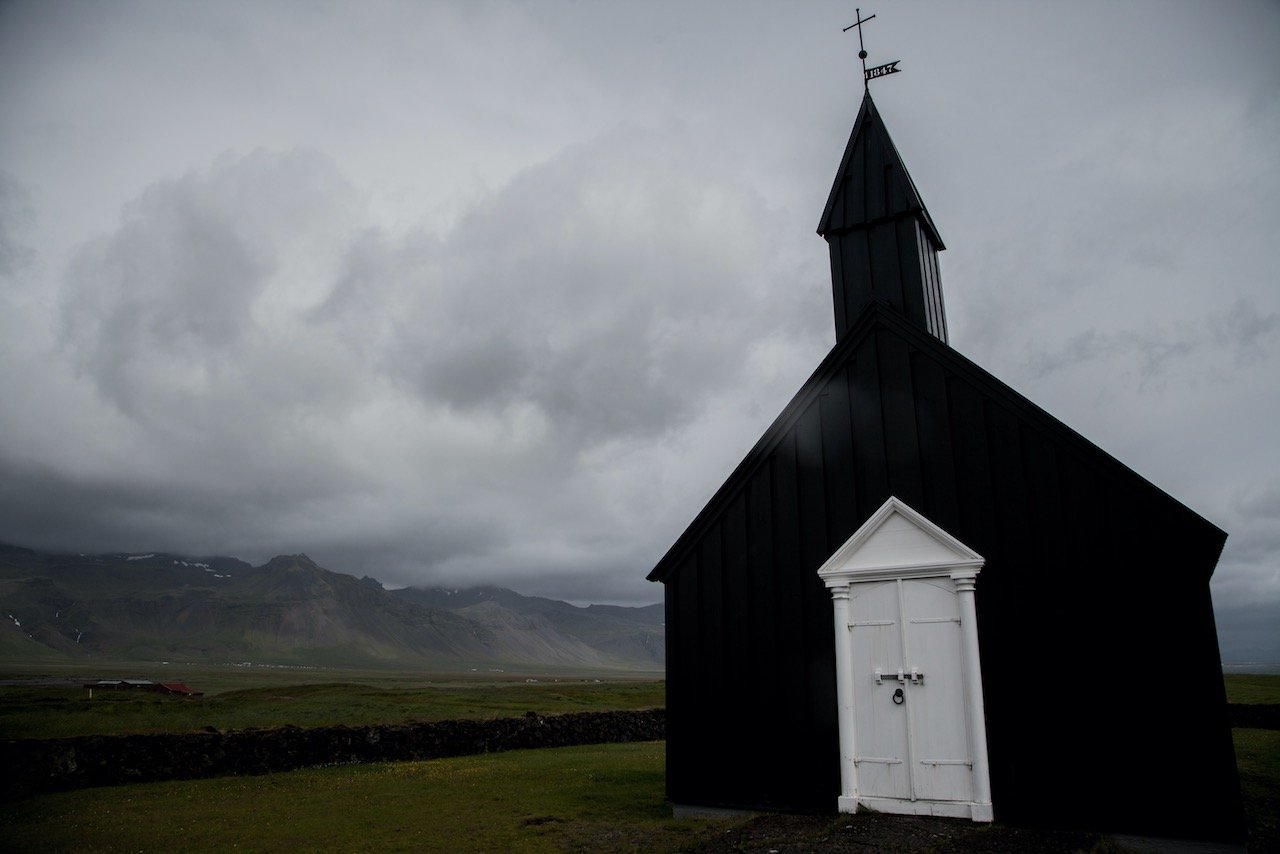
(44, 702)
(590, 798)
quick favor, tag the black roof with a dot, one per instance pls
(878, 317)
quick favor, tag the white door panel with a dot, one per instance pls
(941, 741)
(883, 764)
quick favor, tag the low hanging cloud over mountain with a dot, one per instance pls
(495, 399)
(447, 293)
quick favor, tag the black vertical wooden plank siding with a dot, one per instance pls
(855, 201)
(1203, 687)
(932, 277)
(941, 502)
(817, 739)
(739, 687)
(1057, 638)
(872, 186)
(854, 263)
(1008, 480)
(945, 335)
(978, 530)
(1017, 561)
(685, 665)
(1044, 502)
(786, 545)
(931, 284)
(870, 467)
(887, 281)
(909, 271)
(676, 664)
(1079, 509)
(766, 702)
(810, 490)
(711, 704)
(837, 454)
(784, 539)
(836, 250)
(926, 277)
(901, 443)
(760, 568)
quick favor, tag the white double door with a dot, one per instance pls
(909, 706)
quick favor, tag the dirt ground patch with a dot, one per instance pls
(870, 832)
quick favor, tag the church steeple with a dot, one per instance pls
(884, 246)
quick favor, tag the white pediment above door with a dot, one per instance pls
(897, 540)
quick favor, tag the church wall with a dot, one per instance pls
(1089, 571)
(1103, 689)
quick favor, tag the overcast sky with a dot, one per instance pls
(501, 292)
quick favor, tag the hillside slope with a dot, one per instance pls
(291, 611)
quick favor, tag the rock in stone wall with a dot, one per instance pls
(41, 765)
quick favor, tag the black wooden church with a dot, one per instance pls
(1100, 689)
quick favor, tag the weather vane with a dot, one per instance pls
(869, 74)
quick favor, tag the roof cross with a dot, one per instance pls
(868, 74)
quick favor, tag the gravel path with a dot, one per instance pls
(870, 832)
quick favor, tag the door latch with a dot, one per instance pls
(916, 676)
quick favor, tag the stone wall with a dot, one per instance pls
(1256, 716)
(41, 765)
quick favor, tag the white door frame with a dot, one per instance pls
(919, 549)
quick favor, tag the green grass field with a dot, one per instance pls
(576, 799)
(607, 797)
(219, 678)
(51, 712)
(1258, 762)
(1251, 688)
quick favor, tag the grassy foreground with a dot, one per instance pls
(1258, 762)
(601, 797)
(605, 797)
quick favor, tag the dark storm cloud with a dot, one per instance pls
(161, 313)
(595, 290)
(16, 220)
(1242, 333)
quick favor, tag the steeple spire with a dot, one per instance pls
(884, 246)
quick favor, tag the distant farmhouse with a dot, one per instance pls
(174, 688)
(921, 593)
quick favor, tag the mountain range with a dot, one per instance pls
(291, 611)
